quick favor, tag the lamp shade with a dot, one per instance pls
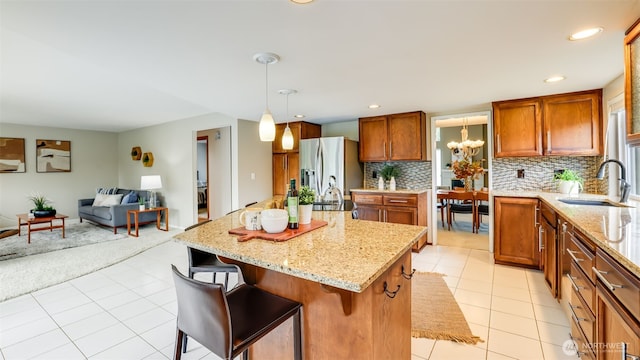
(287, 139)
(267, 127)
(150, 182)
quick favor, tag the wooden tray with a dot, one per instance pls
(288, 234)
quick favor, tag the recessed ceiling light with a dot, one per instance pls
(374, 106)
(554, 79)
(301, 1)
(299, 116)
(587, 33)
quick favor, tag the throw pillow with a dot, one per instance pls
(108, 191)
(107, 200)
(130, 198)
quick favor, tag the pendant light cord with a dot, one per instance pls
(266, 82)
(288, 109)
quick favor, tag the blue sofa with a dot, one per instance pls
(114, 216)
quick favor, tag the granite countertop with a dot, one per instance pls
(398, 191)
(347, 254)
(614, 229)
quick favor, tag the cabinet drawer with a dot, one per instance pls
(582, 316)
(548, 213)
(401, 200)
(623, 285)
(366, 199)
(581, 256)
(583, 348)
(582, 286)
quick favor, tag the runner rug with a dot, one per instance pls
(435, 314)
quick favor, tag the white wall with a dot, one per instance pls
(94, 163)
(254, 157)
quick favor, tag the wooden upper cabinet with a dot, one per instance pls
(517, 128)
(300, 130)
(393, 137)
(572, 124)
(564, 124)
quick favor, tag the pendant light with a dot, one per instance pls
(267, 125)
(287, 137)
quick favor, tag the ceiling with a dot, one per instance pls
(118, 65)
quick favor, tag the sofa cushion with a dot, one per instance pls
(108, 191)
(130, 198)
(102, 212)
(107, 200)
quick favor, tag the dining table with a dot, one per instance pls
(447, 196)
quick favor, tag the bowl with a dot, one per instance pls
(274, 220)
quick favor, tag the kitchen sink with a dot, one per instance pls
(592, 202)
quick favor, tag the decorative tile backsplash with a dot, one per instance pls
(413, 174)
(538, 172)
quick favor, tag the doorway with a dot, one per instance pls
(460, 230)
(202, 177)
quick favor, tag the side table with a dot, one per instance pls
(136, 213)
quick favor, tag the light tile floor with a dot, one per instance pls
(127, 311)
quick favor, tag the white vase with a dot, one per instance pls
(380, 183)
(304, 213)
(392, 184)
(569, 187)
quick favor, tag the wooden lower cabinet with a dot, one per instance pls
(516, 232)
(615, 327)
(549, 255)
(397, 208)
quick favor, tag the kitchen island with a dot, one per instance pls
(352, 276)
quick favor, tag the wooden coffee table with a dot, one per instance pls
(24, 219)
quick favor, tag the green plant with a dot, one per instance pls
(389, 171)
(40, 202)
(569, 175)
(306, 195)
(141, 200)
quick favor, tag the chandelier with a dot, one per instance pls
(469, 148)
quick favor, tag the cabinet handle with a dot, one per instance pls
(535, 217)
(626, 356)
(407, 276)
(540, 241)
(600, 274)
(284, 164)
(573, 283)
(398, 201)
(390, 294)
(384, 148)
(573, 314)
(564, 233)
(390, 149)
(499, 144)
(573, 253)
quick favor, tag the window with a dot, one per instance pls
(617, 148)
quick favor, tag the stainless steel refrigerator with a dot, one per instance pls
(324, 159)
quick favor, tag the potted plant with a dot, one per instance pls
(306, 197)
(141, 203)
(569, 182)
(389, 173)
(41, 206)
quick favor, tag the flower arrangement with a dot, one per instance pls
(465, 168)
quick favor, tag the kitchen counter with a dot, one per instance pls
(614, 229)
(347, 254)
(398, 191)
(353, 278)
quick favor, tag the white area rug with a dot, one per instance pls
(76, 234)
(30, 273)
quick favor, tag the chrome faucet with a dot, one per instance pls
(625, 187)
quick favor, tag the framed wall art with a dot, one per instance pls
(53, 156)
(12, 159)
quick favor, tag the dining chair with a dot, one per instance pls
(228, 323)
(205, 262)
(442, 204)
(482, 207)
(461, 202)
